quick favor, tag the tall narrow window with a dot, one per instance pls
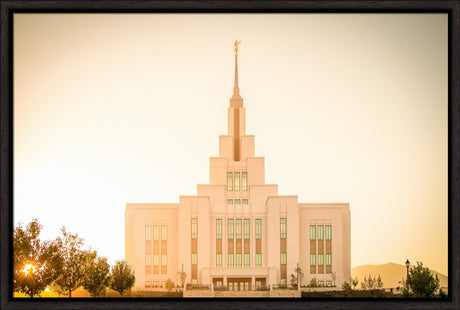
(328, 259)
(218, 228)
(246, 260)
(219, 260)
(156, 259)
(230, 228)
(229, 201)
(244, 181)
(238, 228)
(238, 260)
(237, 201)
(194, 258)
(312, 259)
(245, 201)
(148, 260)
(148, 232)
(320, 232)
(258, 260)
(230, 260)
(229, 181)
(156, 233)
(194, 228)
(164, 233)
(328, 232)
(312, 232)
(283, 259)
(164, 260)
(246, 228)
(320, 259)
(283, 228)
(237, 181)
(258, 229)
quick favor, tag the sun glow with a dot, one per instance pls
(29, 268)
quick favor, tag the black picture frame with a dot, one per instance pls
(8, 8)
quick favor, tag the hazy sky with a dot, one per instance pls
(117, 108)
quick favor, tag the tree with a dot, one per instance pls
(182, 276)
(32, 260)
(313, 283)
(298, 273)
(169, 284)
(370, 282)
(354, 282)
(421, 281)
(364, 283)
(122, 277)
(346, 286)
(379, 283)
(334, 276)
(74, 262)
(98, 277)
(293, 279)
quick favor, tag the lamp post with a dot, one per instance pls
(407, 275)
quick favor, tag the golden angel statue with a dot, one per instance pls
(236, 46)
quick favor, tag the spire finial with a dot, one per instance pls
(236, 89)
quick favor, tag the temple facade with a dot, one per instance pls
(237, 233)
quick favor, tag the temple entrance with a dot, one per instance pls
(239, 284)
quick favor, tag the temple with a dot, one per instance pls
(237, 233)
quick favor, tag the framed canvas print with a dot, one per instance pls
(184, 154)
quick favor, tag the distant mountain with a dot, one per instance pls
(391, 274)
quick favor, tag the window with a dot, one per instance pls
(312, 259)
(328, 232)
(194, 281)
(238, 260)
(238, 228)
(218, 228)
(229, 181)
(312, 232)
(163, 283)
(156, 259)
(237, 201)
(218, 260)
(320, 259)
(148, 284)
(194, 258)
(244, 181)
(155, 284)
(258, 229)
(230, 228)
(164, 233)
(283, 259)
(283, 228)
(218, 283)
(321, 283)
(229, 201)
(320, 232)
(246, 260)
(148, 232)
(194, 228)
(258, 284)
(258, 260)
(237, 181)
(148, 260)
(283, 281)
(164, 260)
(246, 228)
(156, 233)
(329, 283)
(328, 259)
(245, 201)
(230, 260)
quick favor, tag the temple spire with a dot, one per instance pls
(236, 100)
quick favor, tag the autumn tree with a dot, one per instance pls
(98, 277)
(74, 262)
(182, 276)
(422, 282)
(33, 260)
(169, 284)
(122, 277)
